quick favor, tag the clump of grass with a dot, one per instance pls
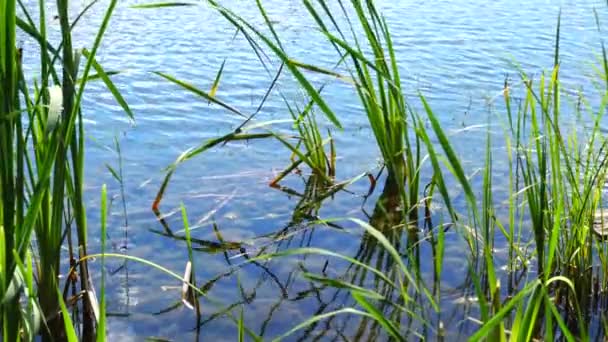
(378, 83)
(310, 147)
(376, 78)
(313, 152)
(561, 177)
(554, 181)
(41, 173)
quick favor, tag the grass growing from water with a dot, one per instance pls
(554, 184)
(376, 79)
(378, 83)
(555, 181)
(41, 182)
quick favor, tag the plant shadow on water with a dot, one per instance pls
(321, 284)
(238, 255)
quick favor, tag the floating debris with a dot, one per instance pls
(600, 224)
(188, 296)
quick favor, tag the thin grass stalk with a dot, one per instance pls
(32, 188)
(384, 103)
(101, 325)
(9, 227)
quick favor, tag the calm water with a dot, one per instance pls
(456, 52)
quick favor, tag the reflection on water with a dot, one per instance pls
(268, 290)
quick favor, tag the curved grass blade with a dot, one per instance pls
(200, 93)
(389, 248)
(170, 273)
(340, 284)
(324, 252)
(110, 85)
(69, 326)
(321, 317)
(388, 326)
(200, 149)
(164, 4)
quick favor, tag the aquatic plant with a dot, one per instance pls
(555, 176)
(555, 182)
(42, 169)
(313, 152)
(376, 78)
(309, 148)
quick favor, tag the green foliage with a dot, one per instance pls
(41, 173)
(554, 180)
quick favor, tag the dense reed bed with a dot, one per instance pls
(555, 178)
(553, 285)
(41, 186)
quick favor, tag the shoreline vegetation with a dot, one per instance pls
(554, 279)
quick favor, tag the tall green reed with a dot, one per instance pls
(555, 182)
(376, 78)
(378, 84)
(557, 177)
(42, 162)
(12, 188)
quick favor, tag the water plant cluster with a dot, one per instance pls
(42, 210)
(552, 286)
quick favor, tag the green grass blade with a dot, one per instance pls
(200, 93)
(69, 326)
(340, 284)
(452, 157)
(163, 4)
(101, 325)
(241, 327)
(324, 252)
(320, 317)
(170, 273)
(110, 85)
(216, 81)
(498, 317)
(390, 249)
(389, 326)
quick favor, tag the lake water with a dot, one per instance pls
(457, 52)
